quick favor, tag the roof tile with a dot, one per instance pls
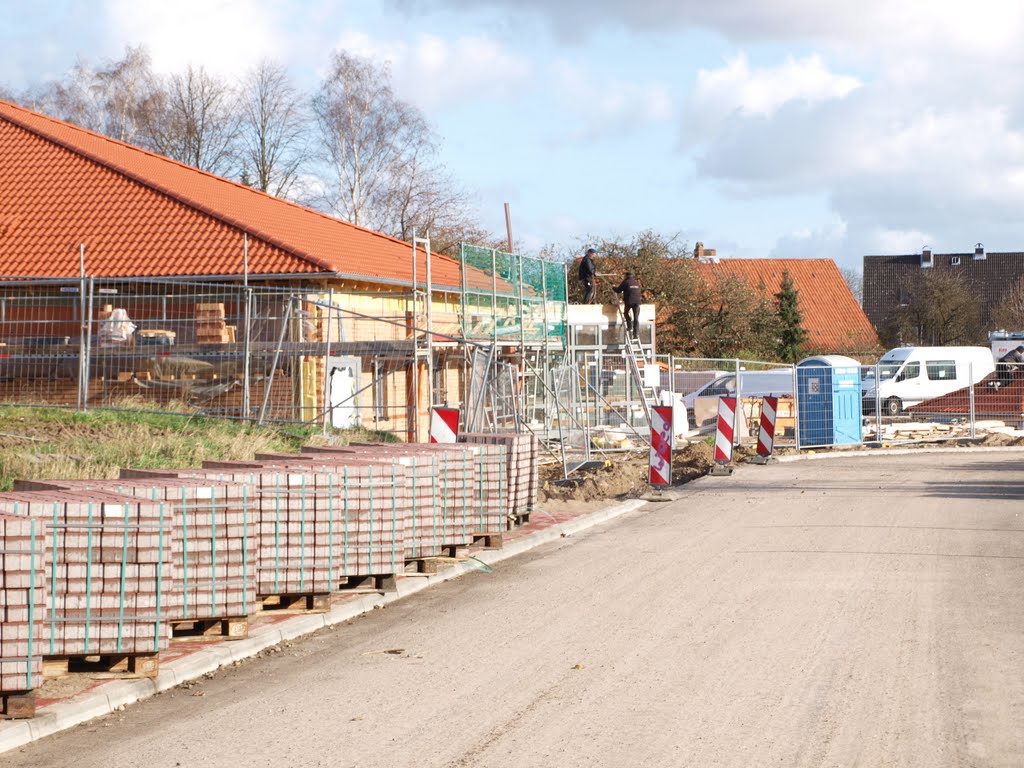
(143, 215)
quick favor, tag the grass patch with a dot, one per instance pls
(59, 444)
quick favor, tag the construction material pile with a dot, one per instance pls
(110, 586)
(106, 568)
(213, 550)
(23, 592)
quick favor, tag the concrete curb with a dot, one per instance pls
(118, 694)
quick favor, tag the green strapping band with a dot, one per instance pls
(159, 580)
(53, 584)
(415, 493)
(277, 532)
(213, 548)
(330, 525)
(302, 536)
(345, 555)
(124, 566)
(245, 542)
(394, 516)
(184, 551)
(88, 578)
(370, 557)
(465, 492)
(31, 603)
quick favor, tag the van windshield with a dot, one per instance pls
(888, 370)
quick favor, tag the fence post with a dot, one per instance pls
(737, 439)
(796, 409)
(88, 345)
(247, 356)
(970, 390)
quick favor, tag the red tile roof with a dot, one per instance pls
(834, 321)
(143, 215)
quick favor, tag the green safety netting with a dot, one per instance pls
(528, 298)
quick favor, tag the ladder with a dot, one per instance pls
(635, 357)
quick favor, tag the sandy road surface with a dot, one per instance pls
(863, 612)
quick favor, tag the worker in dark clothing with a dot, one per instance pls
(1012, 360)
(630, 290)
(588, 271)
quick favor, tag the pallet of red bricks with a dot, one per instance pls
(522, 469)
(213, 547)
(110, 578)
(425, 532)
(315, 530)
(23, 573)
(483, 507)
(448, 520)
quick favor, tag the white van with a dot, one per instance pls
(703, 403)
(910, 375)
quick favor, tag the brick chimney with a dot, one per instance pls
(926, 257)
(698, 251)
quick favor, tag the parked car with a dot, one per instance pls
(703, 404)
(906, 376)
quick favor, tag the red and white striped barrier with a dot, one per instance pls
(444, 425)
(766, 436)
(724, 434)
(661, 445)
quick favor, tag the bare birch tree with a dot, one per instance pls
(382, 157)
(112, 99)
(195, 122)
(273, 126)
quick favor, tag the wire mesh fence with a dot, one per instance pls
(362, 360)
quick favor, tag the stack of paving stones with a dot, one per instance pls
(213, 546)
(425, 531)
(23, 574)
(110, 580)
(455, 487)
(522, 469)
(317, 528)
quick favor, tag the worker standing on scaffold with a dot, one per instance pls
(631, 295)
(588, 270)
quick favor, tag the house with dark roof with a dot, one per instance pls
(889, 282)
(78, 208)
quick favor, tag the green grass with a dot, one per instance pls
(60, 444)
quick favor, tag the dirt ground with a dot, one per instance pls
(624, 476)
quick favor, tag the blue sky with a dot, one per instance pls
(791, 128)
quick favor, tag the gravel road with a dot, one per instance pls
(853, 612)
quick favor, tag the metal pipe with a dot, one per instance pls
(246, 355)
(327, 367)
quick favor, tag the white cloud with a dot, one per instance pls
(226, 37)
(736, 89)
(436, 73)
(613, 106)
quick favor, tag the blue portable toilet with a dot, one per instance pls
(829, 400)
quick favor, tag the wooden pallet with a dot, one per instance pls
(488, 540)
(19, 705)
(357, 584)
(431, 565)
(234, 628)
(113, 665)
(319, 602)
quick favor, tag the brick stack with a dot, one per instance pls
(22, 602)
(455, 487)
(317, 528)
(521, 465)
(213, 546)
(426, 533)
(110, 571)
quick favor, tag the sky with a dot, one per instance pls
(790, 128)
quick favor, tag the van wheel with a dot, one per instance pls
(893, 406)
